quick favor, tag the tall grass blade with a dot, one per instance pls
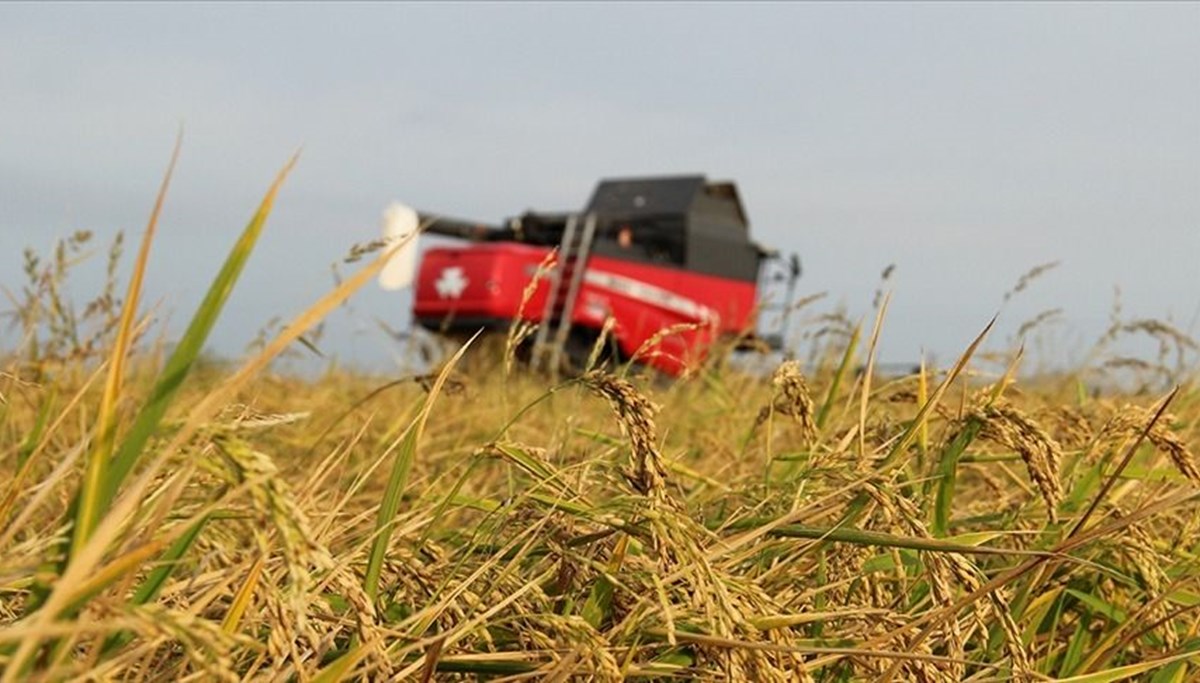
(922, 399)
(157, 578)
(1009, 376)
(105, 576)
(398, 479)
(865, 399)
(92, 499)
(34, 437)
(838, 377)
(947, 478)
(104, 479)
(1077, 645)
(149, 589)
(340, 668)
(190, 345)
(241, 599)
(884, 540)
(947, 475)
(1121, 673)
(910, 433)
(1175, 672)
(596, 608)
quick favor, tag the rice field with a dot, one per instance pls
(163, 517)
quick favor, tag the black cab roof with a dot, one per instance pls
(686, 221)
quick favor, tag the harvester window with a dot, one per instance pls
(625, 237)
(653, 240)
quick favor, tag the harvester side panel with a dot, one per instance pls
(477, 286)
(463, 289)
(644, 299)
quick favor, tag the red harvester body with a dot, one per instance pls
(649, 253)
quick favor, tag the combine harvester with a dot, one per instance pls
(653, 254)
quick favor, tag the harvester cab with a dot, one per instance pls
(669, 260)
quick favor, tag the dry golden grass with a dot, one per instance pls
(482, 522)
(611, 528)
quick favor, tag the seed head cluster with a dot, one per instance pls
(1008, 426)
(635, 415)
(791, 398)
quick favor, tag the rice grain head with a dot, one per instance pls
(1131, 419)
(791, 398)
(1006, 425)
(635, 415)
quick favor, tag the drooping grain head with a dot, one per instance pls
(635, 415)
(1132, 419)
(1042, 455)
(791, 399)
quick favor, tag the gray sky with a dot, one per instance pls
(965, 143)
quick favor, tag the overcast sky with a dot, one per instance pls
(965, 143)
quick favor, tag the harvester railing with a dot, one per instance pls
(555, 330)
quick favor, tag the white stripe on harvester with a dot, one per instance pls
(657, 296)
